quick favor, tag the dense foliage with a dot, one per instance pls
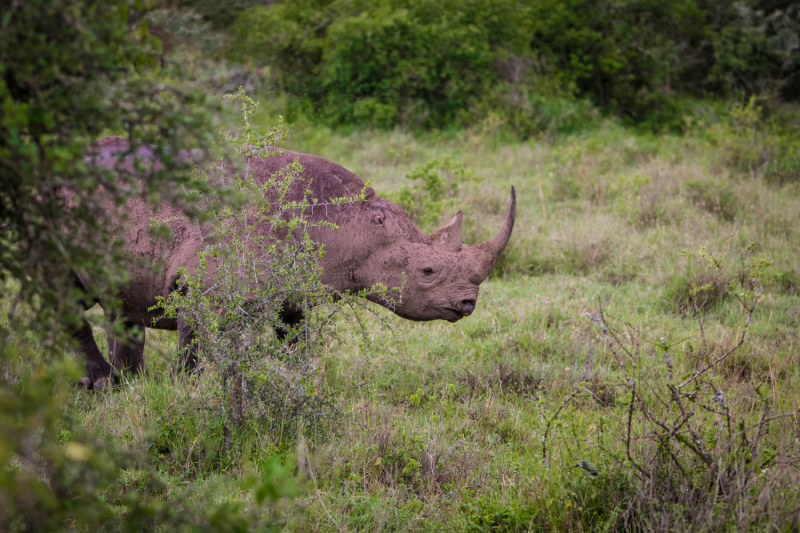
(438, 64)
(70, 72)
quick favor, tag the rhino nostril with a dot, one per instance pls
(466, 307)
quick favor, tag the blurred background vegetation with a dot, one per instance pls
(633, 130)
(535, 65)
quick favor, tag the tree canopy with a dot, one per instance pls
(70, 72)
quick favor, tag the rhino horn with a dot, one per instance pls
(449, 236)
(485, 254)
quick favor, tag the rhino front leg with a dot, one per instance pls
(187, 348)
(127, 352)
(99, 372)
(290, 316)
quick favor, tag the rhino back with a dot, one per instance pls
(325, 179)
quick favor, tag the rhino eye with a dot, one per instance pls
(428, 276)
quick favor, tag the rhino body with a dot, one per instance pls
(376, 243)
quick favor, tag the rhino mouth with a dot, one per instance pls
(454, 315)
(461, 309)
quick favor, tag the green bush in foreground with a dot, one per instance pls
(247, 276)
(54, 475)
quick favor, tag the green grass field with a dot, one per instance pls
(441, 427)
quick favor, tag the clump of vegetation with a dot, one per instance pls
(51, 206)
(55, 475)
(714, 198)
(434, 192)
(746, 140)
(700, 459)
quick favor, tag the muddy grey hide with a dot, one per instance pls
(376, 243)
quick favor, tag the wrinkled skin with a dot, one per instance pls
(376, 243)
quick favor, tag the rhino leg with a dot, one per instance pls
(187, 348)
(290, 316)
(99, 372)
(127, 353)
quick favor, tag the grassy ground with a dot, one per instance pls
(442, 425)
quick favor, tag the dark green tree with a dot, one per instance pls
(449, 64)
(72, 71)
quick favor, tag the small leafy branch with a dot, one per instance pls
(257, 264)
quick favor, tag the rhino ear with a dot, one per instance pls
(449, 237)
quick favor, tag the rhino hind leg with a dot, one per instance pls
(127, 353)
(99, 373)
(290, 316)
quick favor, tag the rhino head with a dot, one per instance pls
(439, 275)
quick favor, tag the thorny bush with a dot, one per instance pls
(700, 460)
(697, 459)
(246, 278)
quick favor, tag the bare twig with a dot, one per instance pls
(566, 401)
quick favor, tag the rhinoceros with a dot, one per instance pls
(376, 242)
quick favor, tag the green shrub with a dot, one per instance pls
(56, 476)
(756, 51)
(434, 193)
(73, 71)
(715, 198)
(235, 300)
(382, 62)
(748, 140)
(536, 64)
(532, 99)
